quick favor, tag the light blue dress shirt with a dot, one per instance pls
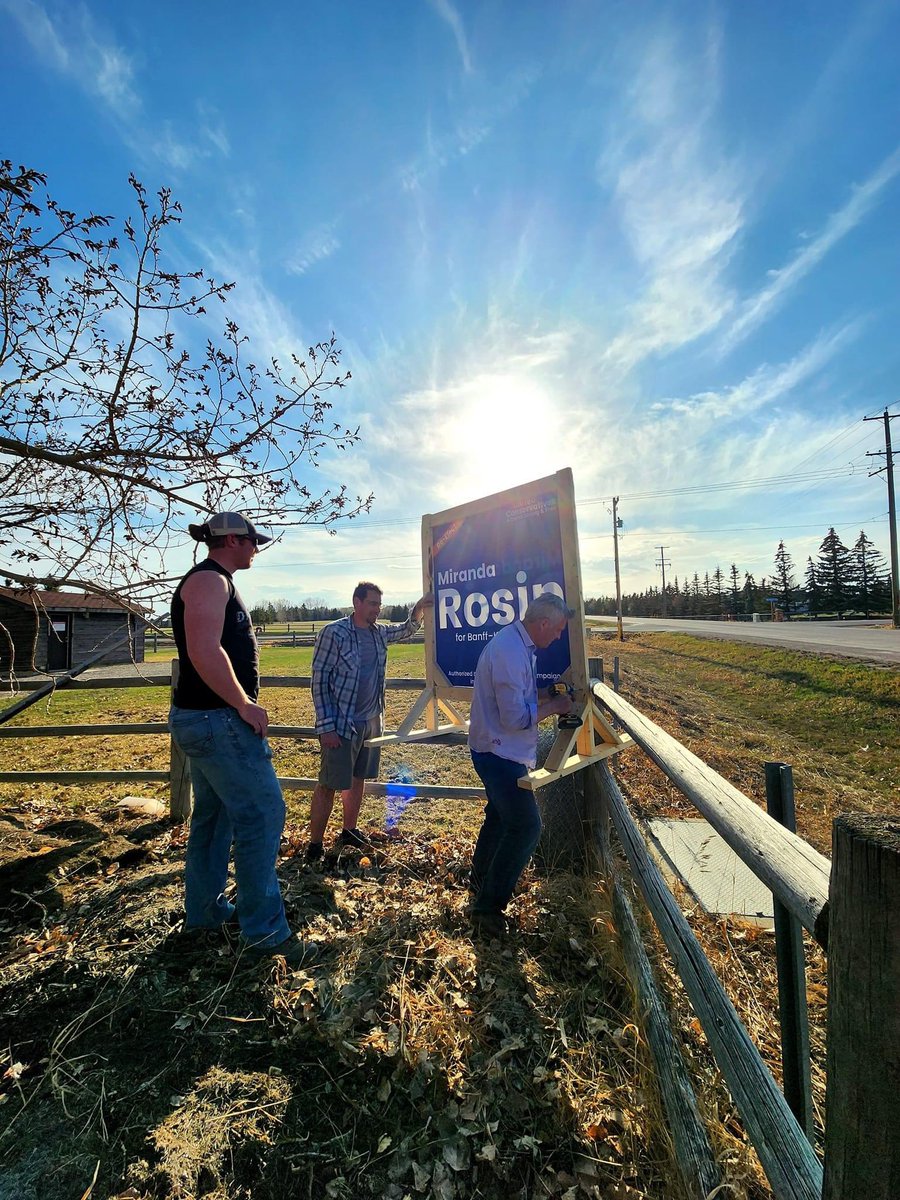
(503, 719)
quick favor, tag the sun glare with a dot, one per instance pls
(506, 431)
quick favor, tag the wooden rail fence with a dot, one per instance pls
(178, 774)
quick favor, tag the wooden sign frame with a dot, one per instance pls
(541, 500)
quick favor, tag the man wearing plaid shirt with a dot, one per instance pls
(348, 670)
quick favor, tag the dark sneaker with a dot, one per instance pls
(355, 838)
(313, 852)
(230, 931)
(208, 937)
(488, 925)
(293, 950)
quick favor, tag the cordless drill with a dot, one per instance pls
(570, 720)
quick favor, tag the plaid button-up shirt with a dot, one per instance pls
(335, 670)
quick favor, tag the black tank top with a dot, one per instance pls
(238, 641)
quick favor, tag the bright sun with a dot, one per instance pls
(506, 431)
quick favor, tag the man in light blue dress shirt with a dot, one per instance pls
(503, 731)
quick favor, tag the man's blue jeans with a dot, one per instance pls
(511, 829)
(237, 801)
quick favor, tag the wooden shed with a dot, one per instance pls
(52, 631)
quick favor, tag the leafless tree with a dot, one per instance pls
(116, 422)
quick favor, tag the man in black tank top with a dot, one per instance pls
(220, 727)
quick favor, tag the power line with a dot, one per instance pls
(821, 449)
(698, 489)
(591, 537)
(736, 485)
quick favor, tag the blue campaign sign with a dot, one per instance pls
(487, 566)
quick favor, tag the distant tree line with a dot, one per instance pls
(841, 581)
(282, 611)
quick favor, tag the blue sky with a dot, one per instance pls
(657, 243)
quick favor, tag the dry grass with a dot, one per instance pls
(737, 707)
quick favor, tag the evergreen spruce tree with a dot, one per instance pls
(718, 579)
(734, 576)
(813, 591)
(833, 570)
(749, 594)
(867, 569)
(694, 601)
(784, 582)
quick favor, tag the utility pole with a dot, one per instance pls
(617, 525)
(663, 562)
(888, 468)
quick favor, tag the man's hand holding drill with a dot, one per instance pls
(559, 701)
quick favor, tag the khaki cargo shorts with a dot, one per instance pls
(352, 759)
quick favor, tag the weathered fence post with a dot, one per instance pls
(566, 840)
(694, 1158)
(792, 1009)
(179, 771)
(862, 1132)
(596, 809)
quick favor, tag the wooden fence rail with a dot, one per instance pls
(861, 934)
(796, 873)
(178, 774)
(787, 1158)
(155, 678)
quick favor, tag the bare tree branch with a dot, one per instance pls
(116, 421)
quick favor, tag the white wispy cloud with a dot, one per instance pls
(469, 132)
(449, 13)
(313, 248)
(212, 128)
(863, 198)
(677, 198)
(114, 75)
(40, 31)
(69, 40)
(766, 385)
(263, 317)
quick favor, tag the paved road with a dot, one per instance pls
(867, 641)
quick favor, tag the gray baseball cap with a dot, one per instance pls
(224, 523)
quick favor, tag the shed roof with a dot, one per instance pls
(61, 601)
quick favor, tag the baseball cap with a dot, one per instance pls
(224, 523)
